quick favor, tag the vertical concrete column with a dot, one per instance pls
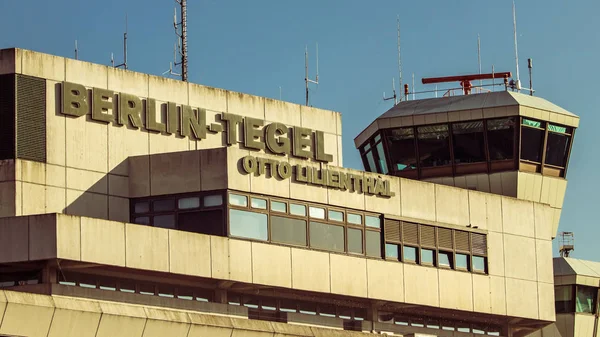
(221, 296)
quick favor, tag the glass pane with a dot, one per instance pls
(557, 148)
(371, 161)
(278, 206)
(391, 251)
(434, 145)
(287, 230)
(377, 138)
(501, 137)
(238, 200)
(296, 209)
(355, 241)
(373, 241)
(445, 259)
(324, 236)
(165, 221)
(410, 254)
(563, 299)
(316, 212)
(468, 142)
(205, 222)
(557, 128)
(531, 123)
(401, 145)
(336, 216)
(163, 205)
(144, 220)
(585, 300)
(427, 256)
(187, 203)
(372, 221)
(382, 162)
(479, 263)
(462, 261)
(142, 207)
(355, 219)
(248, 224)
(531, 144)
(213, 200)
(258, 203)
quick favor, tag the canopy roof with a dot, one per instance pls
(566, 266)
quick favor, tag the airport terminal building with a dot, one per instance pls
(135, 205)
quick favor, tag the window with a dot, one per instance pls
(142, 207)
(328, 237)
(391, 251)
(258, 203)
(468, 142)
(445, 259)
(410, 254)
(316, 212)
(427, 257)
(563, 299)
(557, 145)
(163, 205)
(462, 261)
(355, 241)
(296, 209)
(144, 220)
(401, 145)
(381, 154)
(368, 159)
(336, 216)
(373, 241)
(165, 221)
(278, 206)
(355, 219)
(434, 145)
(373, 155)
(205, 222)
(213, 200)
(479, 264)
(288, 230)
(372, 221)
(238, 200)
(585, 300)
(187, 203)
(501, 138)
(249, 225)
(532, 138)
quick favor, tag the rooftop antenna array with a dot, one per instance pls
(394, 97)
(479, 57)
(567, 243)
(112, 58)
(518, 84)
(399, 58)
(307, 80)
(181, 45)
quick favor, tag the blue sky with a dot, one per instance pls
(258, 46)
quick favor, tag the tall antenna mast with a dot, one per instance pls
(394, 97)
(307, 80)
(181, 45)
(112, 60)
(413, 87)
(518, 84)
(399, 58)
(479, 57)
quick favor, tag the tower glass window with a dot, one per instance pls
(501, 138)
(532, 139)
(468, 142)
(401, 145)
(557, 145)
(434, 145)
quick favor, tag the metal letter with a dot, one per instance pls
(249, 164)
(300, 142)
(252, 133)
(74, 99)
(102, 105)
(302, 173)
(333, 179)
(130, 107)
(320, 154)
(232, 122)
(193, 123)
(284, 169)
(315, 174)
(279, 145)
(171, 118)
(345, 183)
(151, 123)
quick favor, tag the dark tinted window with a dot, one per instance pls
(468, 142)
(401, 145)
(434, 145)
(501, 137)
(204, 222)
(532, 139)
(557, 149)
(163, 205)
(164, 221)
(328, 237)
(287, 230)
(563, 299)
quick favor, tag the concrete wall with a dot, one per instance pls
(508, 290)
(33, 315)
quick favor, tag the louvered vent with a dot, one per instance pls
(462, 240)
(31, 118)
(428, 236)
(479, 242)
(392, 230)
(445, 238)
(410, 232)
(7, 116)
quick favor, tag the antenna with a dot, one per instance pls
(76, 51)
(181, 45)
(394, 91)
(530, 66)
(307, 80)
(112, 60)
(479, 57)
(399, 58)
(413, 87)
(518, 84)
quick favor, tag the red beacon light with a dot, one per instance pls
(465, 80)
